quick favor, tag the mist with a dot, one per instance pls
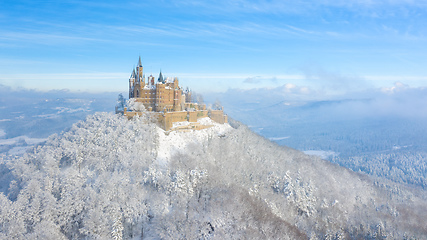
(399, 101)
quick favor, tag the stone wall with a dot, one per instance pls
(166, 120)
(218, 116)
(192, 116)
(172, 117)
(202, 114)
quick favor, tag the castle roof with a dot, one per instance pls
(133, 74)
(161, 77)
(139, 62)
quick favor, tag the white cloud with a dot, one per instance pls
(400, 101)
(331, 81)
(398, 86)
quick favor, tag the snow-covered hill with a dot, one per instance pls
(108, 177)
(179, 142)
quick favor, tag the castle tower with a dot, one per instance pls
(136, 85)
(139, 72)
(188, 98)
(177, 95)
(175, 83)
(132, 84)
(160, 96)
(151, 80)
(160, 79)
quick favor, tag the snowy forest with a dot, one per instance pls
(110, 178)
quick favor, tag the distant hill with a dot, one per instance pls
(107, 177)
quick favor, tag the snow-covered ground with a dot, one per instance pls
(180, 124)
(174, 142)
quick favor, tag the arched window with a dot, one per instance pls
(137, 93)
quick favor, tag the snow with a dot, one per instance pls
(207, 121)
(16, 151)
(174, 142)
(224, 178)
(78, 101)
(180, 124)
(150, 86)
(19, 145)
(32, 141)
(69, 110)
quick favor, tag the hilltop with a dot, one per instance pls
(108, 177)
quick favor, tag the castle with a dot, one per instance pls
(167, 101)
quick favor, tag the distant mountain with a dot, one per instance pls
(108, 177)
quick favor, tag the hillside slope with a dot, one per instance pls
(108, 177)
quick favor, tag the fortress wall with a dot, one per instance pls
(218, 116)
(192, 116)
(171, 117)
(161, 120)
(166, 120)
(157, 116)
(189, 105)
(202, 114)
(130, 115)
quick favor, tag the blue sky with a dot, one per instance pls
(334, 46)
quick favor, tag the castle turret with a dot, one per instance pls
(151, 80)
(175, 83)
(188, 98)
(131, 83)
(140, 73)
(160, 79)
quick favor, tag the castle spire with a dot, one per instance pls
(139, 62)
(160, 77)
(133, 74)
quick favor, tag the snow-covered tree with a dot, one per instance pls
(112, 178)
(120, 105)
(134, 105)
